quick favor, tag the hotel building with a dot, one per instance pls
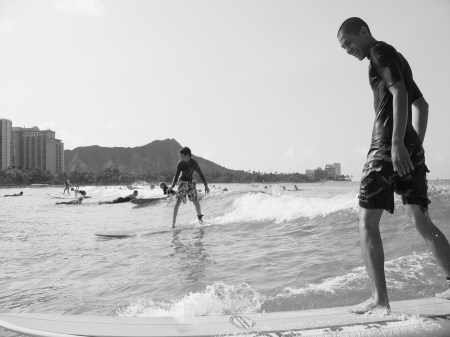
(6, 150)
(36, 148)
(30, 148)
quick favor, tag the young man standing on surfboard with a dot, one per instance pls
(186, 185)
(395, 161)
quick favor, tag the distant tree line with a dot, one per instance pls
(112, 176)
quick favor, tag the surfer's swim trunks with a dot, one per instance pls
(379, 181)
(187, 189)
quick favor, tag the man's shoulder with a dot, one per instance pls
(382, 51)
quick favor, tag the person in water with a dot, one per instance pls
(395, 161)
(78, 191)
(67, 187)
(119, 200)
(167, 191)
(14, 195)
(186, 185)
(76, 201)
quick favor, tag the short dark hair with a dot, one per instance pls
(186, 150)
(353, 26)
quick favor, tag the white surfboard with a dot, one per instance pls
(140, 201)
(421, 317)
(139, 232)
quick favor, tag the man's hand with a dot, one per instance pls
(400, 159)
(206, 189)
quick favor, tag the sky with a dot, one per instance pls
(259, 85)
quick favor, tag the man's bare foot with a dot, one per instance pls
(368, 306)
(173, 225)
(445, 295)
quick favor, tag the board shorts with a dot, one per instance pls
(379, 181)
(187, 189)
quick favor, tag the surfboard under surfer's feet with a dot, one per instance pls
(369, 306)
(445, 295)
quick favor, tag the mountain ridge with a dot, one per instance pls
(158, 156)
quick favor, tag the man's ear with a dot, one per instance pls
(364, 32)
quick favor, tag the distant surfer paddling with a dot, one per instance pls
(395, 161)
(120, 200)
(186, 185)
(166, 192)
(76, 201)
(14, 195)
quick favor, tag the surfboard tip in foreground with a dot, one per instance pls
(420, 317)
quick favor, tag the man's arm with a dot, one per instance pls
(175, 178)
(202, 177)
(400, 157)
(420, 117)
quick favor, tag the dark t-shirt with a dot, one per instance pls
(187, 171)
(387, 66)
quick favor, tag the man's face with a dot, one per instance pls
(354, 45)
(185, 157)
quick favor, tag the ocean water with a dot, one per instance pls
(267, 249)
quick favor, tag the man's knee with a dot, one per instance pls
(420, 219)
(369, 219)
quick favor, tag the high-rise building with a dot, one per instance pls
(6, 150)
(330, 171)
(337, 168)
(38, 149)
(15, 140)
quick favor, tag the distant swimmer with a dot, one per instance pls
(78, 191)
(67, 187)
(166, 192)
(395, 160)
(14, 195)
(186, 185)
(76, 201)
(120, 200)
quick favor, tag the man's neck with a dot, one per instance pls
(372, 43)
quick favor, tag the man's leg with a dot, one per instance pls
(175, 211)
(435, 239)
(198, 209)
(373, 255)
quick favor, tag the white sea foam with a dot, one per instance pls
(216, 299)
(279, 208)
(400, 273)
